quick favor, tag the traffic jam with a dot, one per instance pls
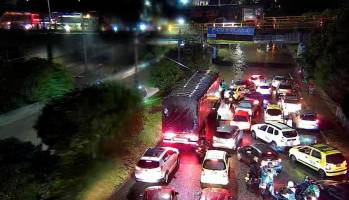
(269, 112)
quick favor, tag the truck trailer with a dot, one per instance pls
(186, 108)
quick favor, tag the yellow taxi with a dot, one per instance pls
(326, 160)
(238, 92)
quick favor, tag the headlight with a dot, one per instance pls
(67, 28)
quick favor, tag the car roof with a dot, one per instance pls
(153, 153)
(273, 106)
(215, 154)
(158, 192)
(227, 128)
(262, 148)
(280, 125)
(325, 148)
(215, 194)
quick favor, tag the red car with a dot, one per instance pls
(159, 193)
(241, 120)
(216, 194)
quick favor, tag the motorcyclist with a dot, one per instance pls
(307, 189)
(267, 177)
(253, 175)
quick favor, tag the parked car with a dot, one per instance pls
(273, 112)
(277, 134)
(216, 194)
(228, 137)
(215, 168)
(333, 190)
(242, 120)
(157, 164)
(264, 153)
(326, 160)
(159, 193)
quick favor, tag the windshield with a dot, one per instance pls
(309, 117)
(292, 101)
(264, 87)
(274, 112)
(224, 135)
(335, 158)
(239, 118)
(149, 164)
(290, 134)
(245, 105)
(214, 164)
(285, 87)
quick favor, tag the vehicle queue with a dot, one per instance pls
(240, 104)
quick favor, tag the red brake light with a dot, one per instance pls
(269, 153)
(255, 102)
(317, 120)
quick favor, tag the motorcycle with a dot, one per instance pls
(302, 192)
(252, 183)
(201, 149)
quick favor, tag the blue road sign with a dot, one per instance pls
(231, 30)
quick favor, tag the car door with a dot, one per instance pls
(315, 158)
(171, 159)
(304, 154)
(260, 132)
(166, 162)
(269, 134)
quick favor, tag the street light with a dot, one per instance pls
(181, 21)
(184, 2)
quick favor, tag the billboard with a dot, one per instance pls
(231, 30)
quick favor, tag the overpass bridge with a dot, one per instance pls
(287, 29)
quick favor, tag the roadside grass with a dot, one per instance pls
(109, 174)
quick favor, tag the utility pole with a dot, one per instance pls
(49, 42)
(84, 44)
(136, 57)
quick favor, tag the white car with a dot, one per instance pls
(215, 168)
(264, 89)
(277, 80)
(157, 164)
(290, 104)
(273, 112)
(305, 120)
(225, 111)
(228, 137)
(277, 134)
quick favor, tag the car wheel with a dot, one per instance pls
(238, 156)
(293, 159)
(254, 135)
(322, 174)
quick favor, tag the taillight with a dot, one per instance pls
(279, 160)
(317, 121)
(255, 102)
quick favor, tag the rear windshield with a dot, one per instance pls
(224, 135)
(309, 117)
(285, 87)
(239, 118)
(274, 112)
(245, 105)
(290, 134)
(292, 101)
(264, 87)
(335, 158)
(214, 164)
(149, 164)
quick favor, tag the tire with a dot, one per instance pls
(253, 134)
(293, 159)
(238, 156)
(322, 174)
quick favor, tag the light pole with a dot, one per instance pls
(136, 41)
(49, 13)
